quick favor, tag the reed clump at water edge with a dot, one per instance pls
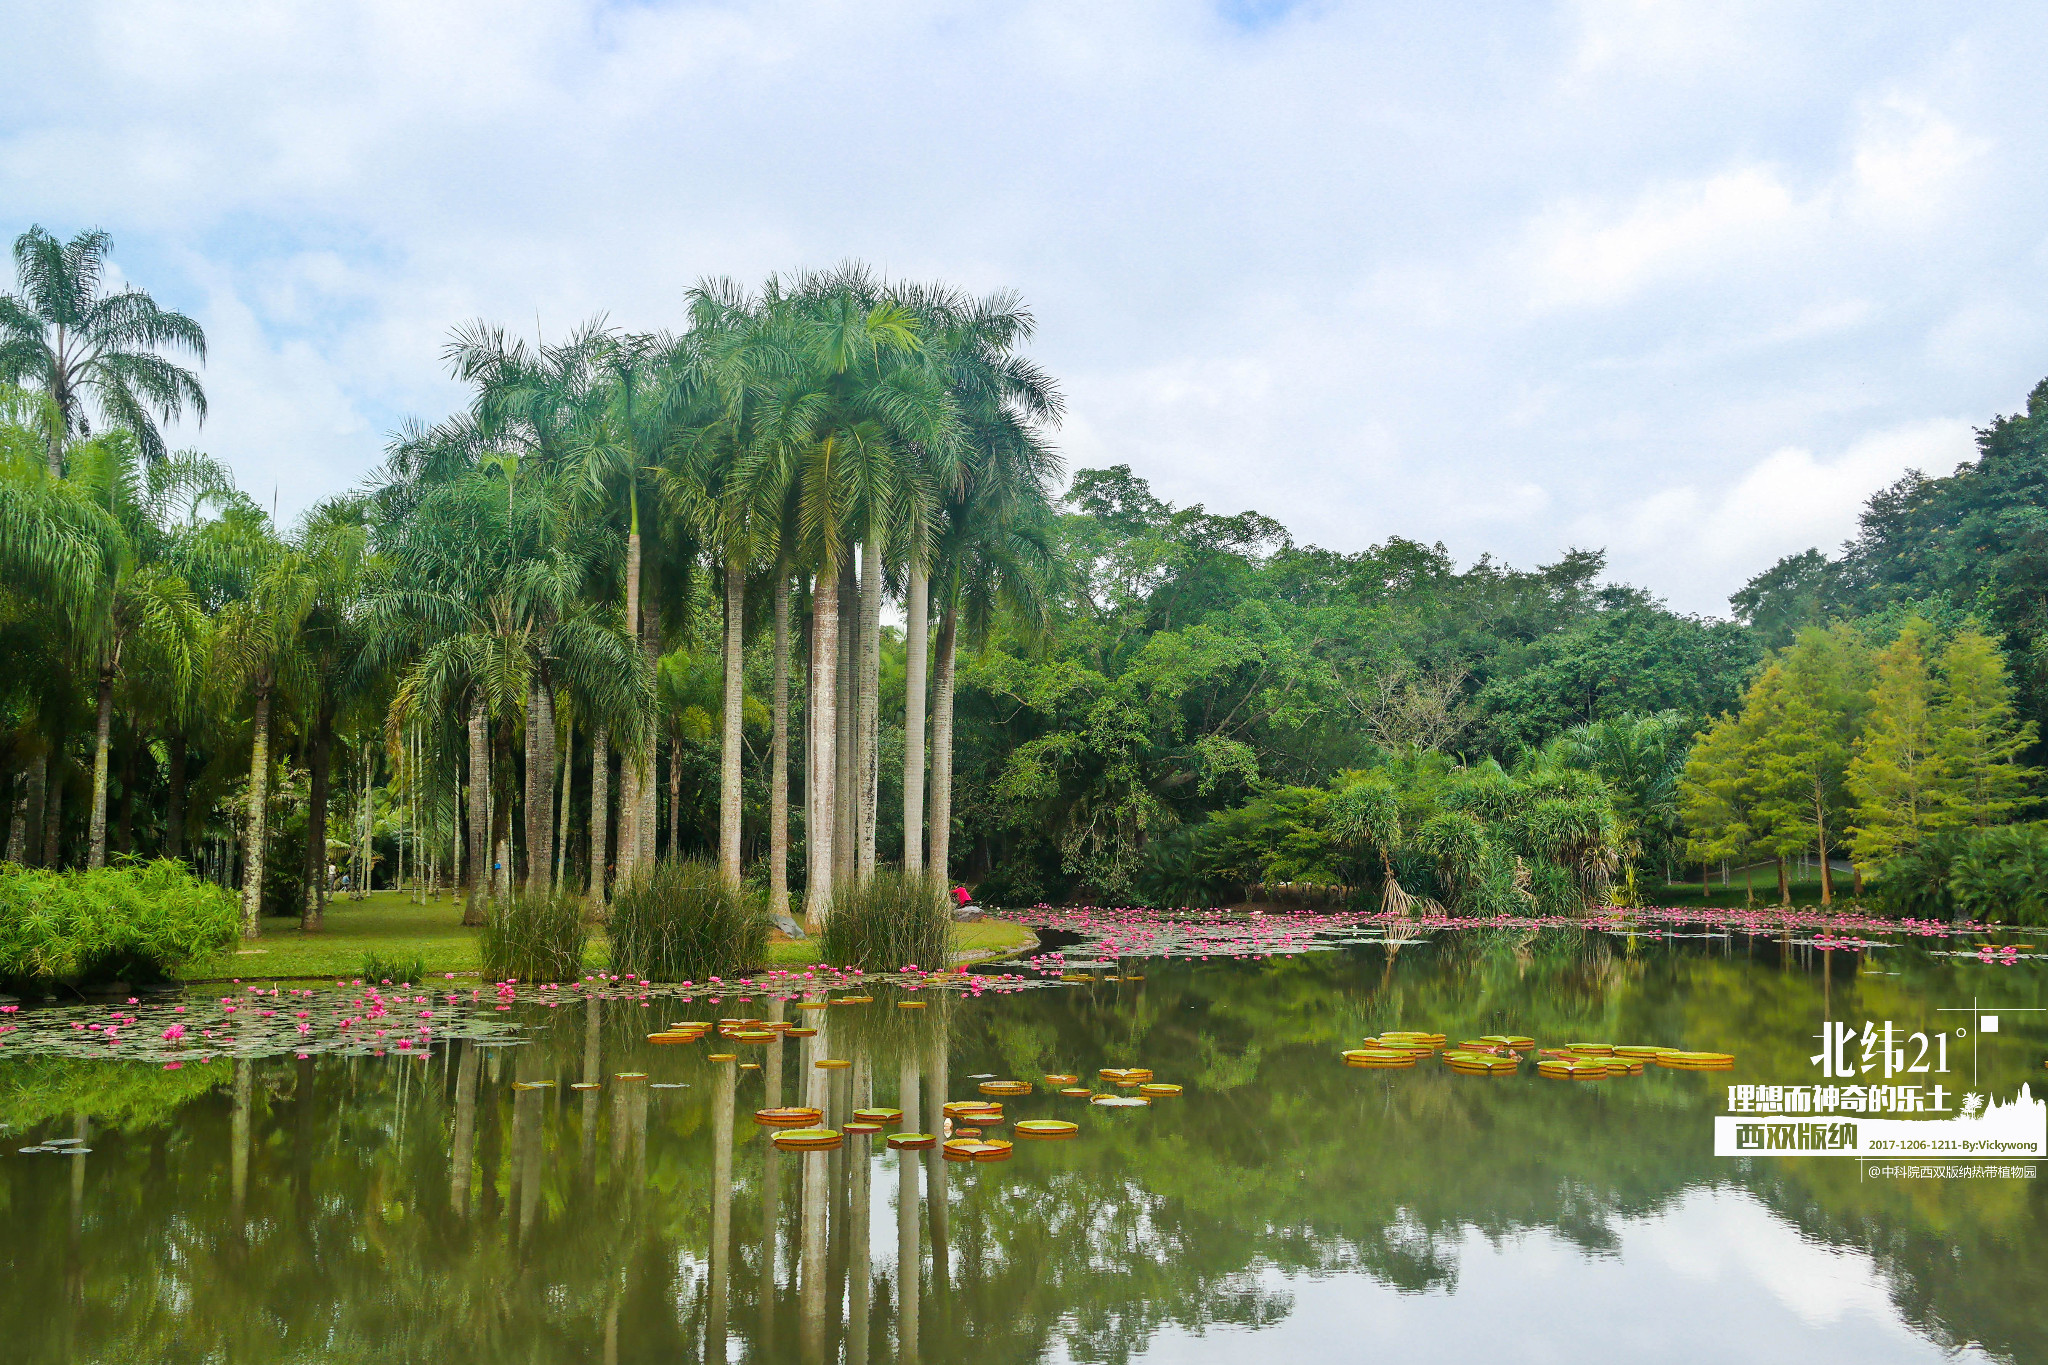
(682, 921)
(891, 921)
(534, 937)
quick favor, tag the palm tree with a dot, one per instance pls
(333, 542)
(994, 550)
(611, 446)
(258, 645)
(143, 612)
(728, 486)
(81, 345)
(861, 422)
(1001, 397)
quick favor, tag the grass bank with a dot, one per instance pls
(386, 925)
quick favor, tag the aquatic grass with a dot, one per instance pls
(682, 921)
(893, 920)
(378, 968)
(137, 923)
(534, 938)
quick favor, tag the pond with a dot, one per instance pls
(462, 1201)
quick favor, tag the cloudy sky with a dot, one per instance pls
(1686, 281)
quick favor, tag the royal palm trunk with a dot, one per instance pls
(259, 806)
(729, 738)
(845, 712)
(317, 763)
(540, 783)
(96, 852)
(479, 815)
(941, 814)
(820, 779)
(778, 763)
(867, 738)
(600, 815)
(916, 642)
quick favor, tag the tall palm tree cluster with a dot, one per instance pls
(488, 650)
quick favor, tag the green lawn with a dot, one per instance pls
(384, 923)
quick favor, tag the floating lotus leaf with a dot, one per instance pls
(1058, 1079)
(790, 1116)
(912, 1142)
(1045, 1128)
(1005, 1087)
(831, 1064)
(1121, 1101)
(1158, 1090)
(879, 1115)
(807, 1139)
(1584, 1069)
(910, 1004)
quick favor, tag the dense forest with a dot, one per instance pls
(802, 587)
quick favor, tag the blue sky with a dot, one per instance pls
(1686, 281)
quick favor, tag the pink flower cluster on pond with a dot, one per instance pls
(1205, 934)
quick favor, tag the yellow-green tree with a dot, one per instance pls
(1976, 738)
(1803, 743)
(1717, 795)
(1897, 772)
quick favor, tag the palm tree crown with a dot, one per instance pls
(82, 345)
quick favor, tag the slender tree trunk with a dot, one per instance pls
(867, 738)
(778, 769)
(562, 810)
(28, 805)
(53, 807)
(941, 815)
(318, 763)
(730, 734)
(675, 798)
(540, 783)
(845, 715)
(917, 645)
(650, 647)
(820, 749)
(259, 809)
(629, 766)
(174, 797)
(479, 815)
(600, 816)
(1784, 885)
(628, 848)
(501, 812)
(103, 725)
(1819, 842)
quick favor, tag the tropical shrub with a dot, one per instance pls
(1478, 840)
(534, 938)
(135, 923)
(1997, 875)
(895, 919)
(684, 922)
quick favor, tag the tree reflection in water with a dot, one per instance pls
(377, 1209)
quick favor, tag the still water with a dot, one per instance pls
(1284, 1207)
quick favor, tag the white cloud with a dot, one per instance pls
(1504, 278)
(1786, 502)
